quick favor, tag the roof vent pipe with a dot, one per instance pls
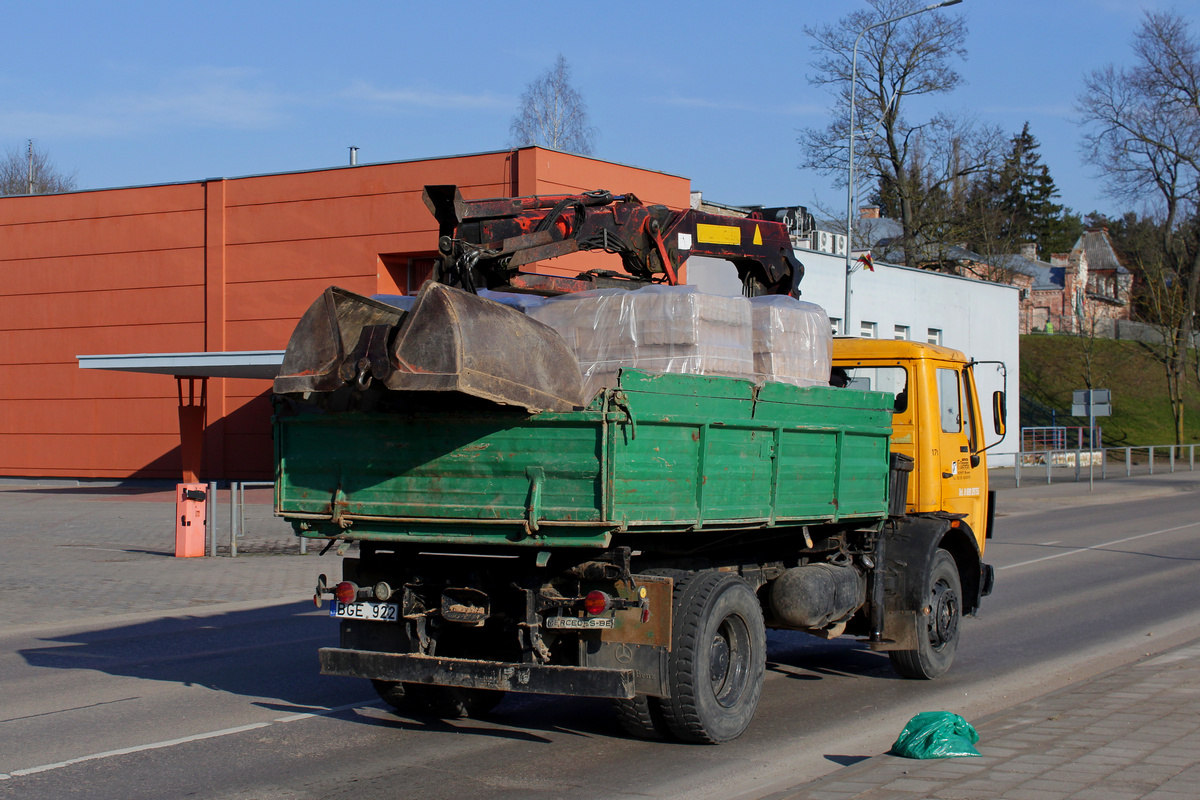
(353, 156)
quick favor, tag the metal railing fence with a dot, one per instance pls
(1129, 458)
(266, 533)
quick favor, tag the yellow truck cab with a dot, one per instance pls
(937, 422)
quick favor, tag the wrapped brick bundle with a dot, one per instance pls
(673, 329)
(792, 341)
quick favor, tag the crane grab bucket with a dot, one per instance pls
(450, 341)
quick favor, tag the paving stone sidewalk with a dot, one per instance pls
(73, 554)
(1133, 732)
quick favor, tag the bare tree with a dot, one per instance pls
(1143, 133)
(913, 163)
(15, 170)
(553, 113)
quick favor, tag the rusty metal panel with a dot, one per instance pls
(627, 623)
(470, 673)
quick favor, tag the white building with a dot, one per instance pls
(979, 318)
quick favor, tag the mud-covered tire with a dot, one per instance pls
(642, 717)
(718, 658)
(449, 702)
(445, 702)
(937, 633)
(390, 692)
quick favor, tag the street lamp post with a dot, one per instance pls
(850, 154)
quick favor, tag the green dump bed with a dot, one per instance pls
(663, 453)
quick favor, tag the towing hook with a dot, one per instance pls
(363, 380)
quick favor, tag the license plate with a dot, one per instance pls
(376, 612)
(575, 623)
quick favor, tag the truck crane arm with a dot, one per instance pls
(484, 243)
(348, 348)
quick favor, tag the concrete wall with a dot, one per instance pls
(979, 318)
(217, 265)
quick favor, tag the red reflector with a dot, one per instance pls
(595, 603)
(345, 592)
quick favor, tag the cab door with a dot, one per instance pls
(961, 483)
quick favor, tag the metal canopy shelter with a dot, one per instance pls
(195, 369)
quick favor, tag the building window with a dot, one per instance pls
(835, 325)
(902, 333)
(868, 330)
(934, 336)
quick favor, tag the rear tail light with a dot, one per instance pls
(596, 602)
(345, 592)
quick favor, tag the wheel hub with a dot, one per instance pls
(943, 619)
(718, 660)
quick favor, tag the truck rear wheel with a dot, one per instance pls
(642, 717)
(937, 632)
(445, 702)
(450, 702)
(390, 692)
(718, 658)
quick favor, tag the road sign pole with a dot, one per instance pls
(1091, 438)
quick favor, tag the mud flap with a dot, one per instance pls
(909, 546)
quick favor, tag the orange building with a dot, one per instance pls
(218, 265)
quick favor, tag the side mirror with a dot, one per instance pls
(999, 412)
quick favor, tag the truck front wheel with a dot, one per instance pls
(718, 658)
(937, 624)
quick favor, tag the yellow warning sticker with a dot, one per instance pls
(757, 235)
(718, 234)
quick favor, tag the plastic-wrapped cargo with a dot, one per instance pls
(666, 329)
(793, 342)
(521, 302)
(402, 301)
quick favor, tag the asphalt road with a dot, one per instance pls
(229, 705)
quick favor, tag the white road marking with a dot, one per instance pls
(16, 773)
(1098, 546)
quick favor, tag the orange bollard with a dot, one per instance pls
(191, 506)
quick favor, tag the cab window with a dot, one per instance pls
(949, 405)
(969, 416)
(893, 380)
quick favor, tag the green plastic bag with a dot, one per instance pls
(936, 734)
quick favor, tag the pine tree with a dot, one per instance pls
(1024, 193)
(1014, 205)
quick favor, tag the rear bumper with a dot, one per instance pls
(473, 674)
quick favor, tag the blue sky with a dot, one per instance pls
(157, 92)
